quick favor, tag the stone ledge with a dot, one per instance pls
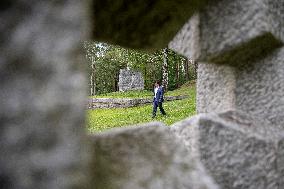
(95, 103)
(244, 34)
(147, 156)
(237, 149)
(128, 24)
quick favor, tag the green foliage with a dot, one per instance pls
(175, 66)
(109, 59)
(103, 119)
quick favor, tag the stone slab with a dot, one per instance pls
(42, 94)
(243, 29)
(253, 88)
(186, 41)
(130, 80)
(146, 156)
(215, 88)
(238, 150)
(142, 24)
(259, 88)
(232, 32)
(95, 103)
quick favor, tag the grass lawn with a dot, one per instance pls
(103, 119)
(128, 94)
(183, 90)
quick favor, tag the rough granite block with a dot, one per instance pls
(238, 151)
(186, 41)
(254, 88)
(243, 29)
(232, 32)
(144, 24)
(259, 88)
(216, 86)
(280, 160)
(276, 17)
(42, 94)
(145, 157)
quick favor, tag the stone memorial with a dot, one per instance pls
(235, 142)
(130, 80)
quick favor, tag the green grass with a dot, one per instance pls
(103, 119)
(183, 90)
(128, 94)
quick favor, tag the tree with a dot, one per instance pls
(93, 77)
(177, 74)
(92, 54)
(193, 69)
(105, 62)
(165, 81)
(186, 69)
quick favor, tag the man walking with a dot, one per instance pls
(158, 99)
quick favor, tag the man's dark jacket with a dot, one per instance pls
(159, 96)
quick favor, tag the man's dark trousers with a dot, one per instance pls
(155, 106)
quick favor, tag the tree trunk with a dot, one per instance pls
(93, 77)
(116, 80)
(177, 74)
(165, 81)
(195, 68)
(186, 70)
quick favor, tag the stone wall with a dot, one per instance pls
(43, 90)
(237, 149)
(130, 80)
(95, 103)
(146, 156)
(240, 78)
(235, 142)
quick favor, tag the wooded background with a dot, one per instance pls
(105, 61)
